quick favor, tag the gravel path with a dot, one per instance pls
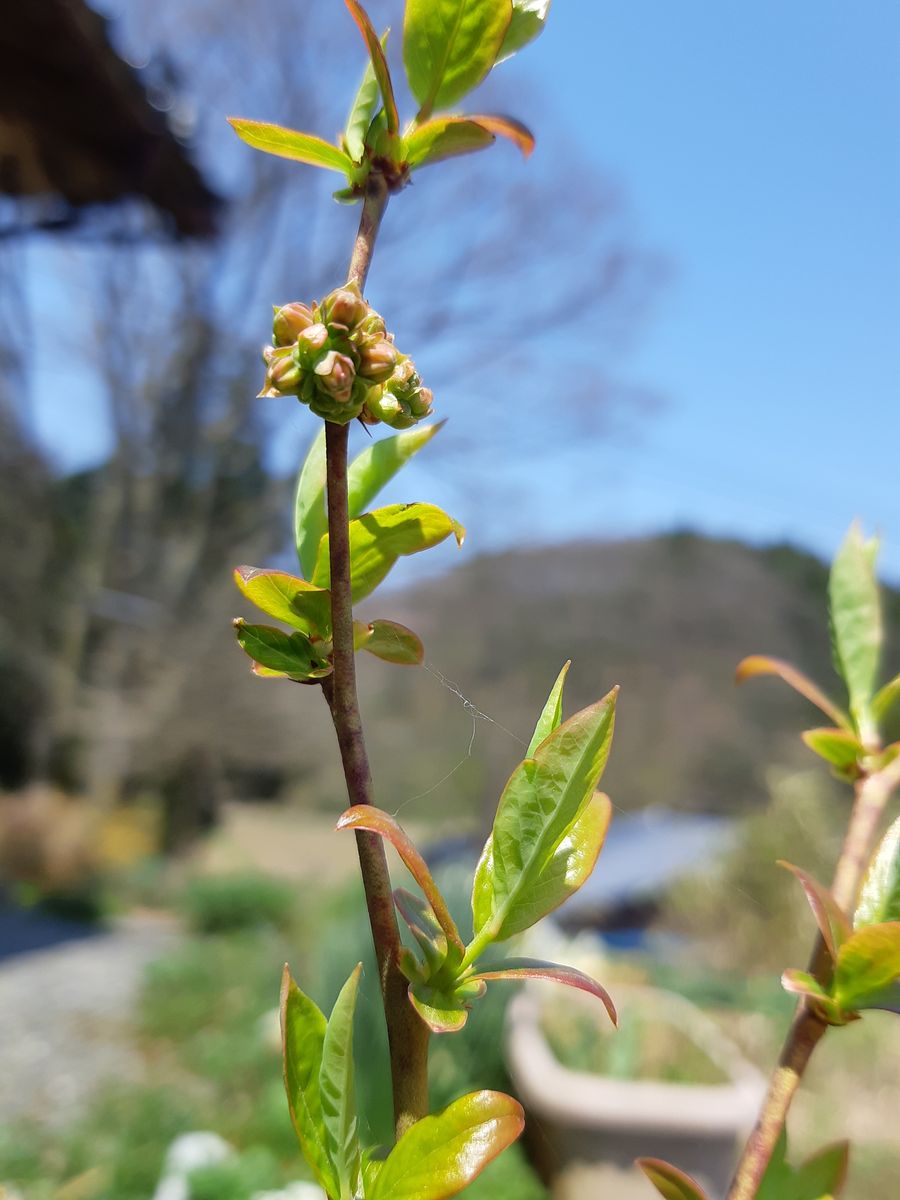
(64, 1019)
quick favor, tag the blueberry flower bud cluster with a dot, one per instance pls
(337, 357)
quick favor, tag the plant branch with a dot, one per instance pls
(871, 795)
(407, 1034)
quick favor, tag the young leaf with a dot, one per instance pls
(759, 664)
(801, 983)
(551, 714)
(366, 816)
(287, 598)
(441, 1154)
(441, 1011)
(365, 105)
(449, 46)
(867, 974)
(303, 1036)
(390, 641)
(540, 804)
(885, 699)
(379, 63)
(818, 1178)
(444, 137)
(832, 922)
(837, 746)
(376, 466)
(671, 1183)
(879, 898)
(855, 612)
(290, 653)
(528, 20)
(507, 127)
(424, 927)
(379, 538)
(289, 143)
(337, 1087)
(310, 517)
(533, 968)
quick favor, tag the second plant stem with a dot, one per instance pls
(407, 1034)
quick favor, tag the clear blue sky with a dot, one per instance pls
(758, 145)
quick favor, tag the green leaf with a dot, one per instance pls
(540, 805)
(425, 928)
(444, 137)
(449, 46)
(379, 63)
(292, 654)
(886, 698)
(833, 923)
(289, 143)
(551, 714)
(867, 974)
(759, 664)
(563, 873)
(310, 517)
(818, 1178)
(439, 1155)
(366, 816)
(837, 746)
(855, 612)
(379, 538)
(442, 1012)
(802, 983)
(534, 968)
(365, 105)
(287, 598)
(507, 127)
(390, 641)
(337, 1087)
(303, 1036)
(528, 20)
(671, 1183)
(377, 465)
(879, 898)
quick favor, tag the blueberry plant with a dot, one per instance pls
(338, 359)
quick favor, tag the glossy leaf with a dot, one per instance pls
(879, 898)
(442, 1012)
(379, 538)
(377, 465)
(833, 924)
(390, 641)
(287, 598)
(837, 746)
(444, 137)
(425, 928)
(379, 63)
(759, 664)
(509, 128)
(303, 1036)
(821, 1176)
(366, 816)
(310, 517)
(290, 653)
(803, 984)
(867, 974)
(528, 20)
(563, 873)
(441, 1154)
(533, 968)
(855, 611)
(290, 143)
(886, 698)
(449, 46)
(540, 804)
(365, 104)
(671, 1183)
(337, 1087)
(551, 714)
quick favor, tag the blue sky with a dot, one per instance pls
(757, 145)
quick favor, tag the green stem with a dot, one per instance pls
(407, 1034)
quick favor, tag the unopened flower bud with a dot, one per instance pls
(377, 361)
(345, 306)
(372, 327)
(311, 342)
(336, 374)
(283, 375)
(289, 322)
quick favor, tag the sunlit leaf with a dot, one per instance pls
(287, 598)
(366, 816)
(855, 611)
(310, 517)
(444, 137)
(507, 127)
(337, 1086)
(303, 1036)
(441, 1012)
(450, 45)
(833, 924)
(528, 20)
(802, 983)
(759, 664)
(671, 1183)
(379, 538)
(376, 466)
(551, 714)
(837, 746)
(867, 974)
(439, 1155)
(289, 143)
(379, 63)
(879, 898)
(390, 641)
(365, 105)
(885, 699)
(533, 968)
(290, 653)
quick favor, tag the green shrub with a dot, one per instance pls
(219, 903)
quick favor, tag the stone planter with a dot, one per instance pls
(590, 1128)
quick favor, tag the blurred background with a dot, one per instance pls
(667, 350)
